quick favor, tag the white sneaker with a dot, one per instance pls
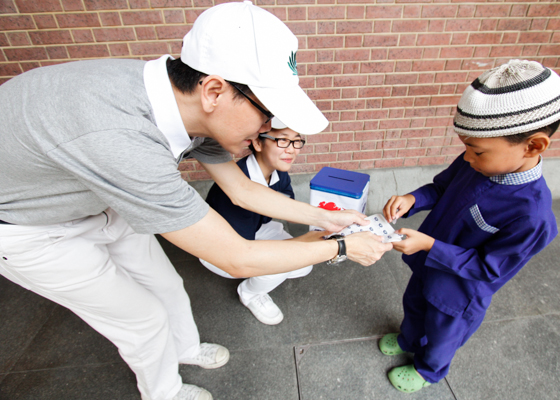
(192, 392)
(264, 309)
(211, 356)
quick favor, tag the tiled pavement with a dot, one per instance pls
(326, 347)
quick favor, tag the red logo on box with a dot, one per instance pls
(331, 206)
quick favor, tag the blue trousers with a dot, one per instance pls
(432, 335)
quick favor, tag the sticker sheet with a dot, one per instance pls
(378, 225)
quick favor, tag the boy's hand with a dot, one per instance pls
(415, 242)
(335, 221)
(397, 206)
(365, 248)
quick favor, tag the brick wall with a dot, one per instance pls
(387, 73)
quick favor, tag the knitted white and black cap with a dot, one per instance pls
(516, 97)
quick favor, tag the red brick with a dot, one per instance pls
(518, 10)
(330, 12)
(352, 55)
(142, 17)
(303, 56)
(110, 19)
(485, 38)
(431, 161)
(439, 11)
(302, 28)
(145, 32)
(410, 26)
(297, 13)
(82, 36)
(170, 3)
(428, 65)
(72, 20)
(381, 66)
(174, 16)
(382, 27)
(119, 50)
(26, 54)
(488, 24)
(106, 4)
(510, 37)
(315, 158)
(10, 69)
(466, 11)
(134, 4)
(411, 152)
(451, 77)
(549, 50)
(353, 41)
(423, 90)
(57, 52)
(203, 3)
(26, 6)
(392, 144)
(405, 54)
(539, 24)
(401, 79)
(492, 10)
(403, 66)
(326, 27)
(364, 135)
(374, 92)
(326, 81)
(114, 34)
(322, 94)
(380, 40)
(433, 39)
(415, 133)
(336, 147)
(367, 155)
(444, 100)
(355, 12)
(378, 54)
(412, 11)
(510, 24)
(72, 5)
(541, 10)
(380, 12)
(530, 51)
(553, 24)
(407, 39)
(89, 51)
(16, 22)
(345, 27)
(173, 32)
(398, 91)
(28, 66)
(397, 102)
(534, 37)
(394, 163)
(436, 25)
(345, 81)
(457, 52)
(18, 39)
(7, 7)
(462, 25)
(324, 69)
(348, 104)
(506, 51)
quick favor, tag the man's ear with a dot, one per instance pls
(212, 90)
(257, 144)
(537, 144)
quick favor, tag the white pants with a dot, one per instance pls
(259, 285)
(119, 282)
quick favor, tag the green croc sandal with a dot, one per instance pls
(389, 345)
(407, 379)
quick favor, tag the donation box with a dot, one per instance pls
(338, 189)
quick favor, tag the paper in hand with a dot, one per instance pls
(378, 226)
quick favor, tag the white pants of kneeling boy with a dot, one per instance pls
(121, 283)
(256, 286)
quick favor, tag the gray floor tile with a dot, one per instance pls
(355, 370)
(22, 313)
(101, 382)
(515, 359)
(65, 341)
(260, 374)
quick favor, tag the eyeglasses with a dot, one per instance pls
(284, 143)
(267, 113)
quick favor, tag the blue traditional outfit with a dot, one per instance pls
(485, 229)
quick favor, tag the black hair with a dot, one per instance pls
(521, 137)
(185, 79)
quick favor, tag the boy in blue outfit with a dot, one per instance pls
(273, 154)
(491, 211)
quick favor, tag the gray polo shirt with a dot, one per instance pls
(82, 136)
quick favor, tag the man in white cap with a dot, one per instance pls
(89, 173)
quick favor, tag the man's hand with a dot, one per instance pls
(415, 242)
(365, 248)
(335, 221)
(397, 206)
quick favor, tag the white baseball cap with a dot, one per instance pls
(245, 44)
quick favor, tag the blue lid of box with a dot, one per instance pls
(339, 181)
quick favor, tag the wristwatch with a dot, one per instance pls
(341, 256)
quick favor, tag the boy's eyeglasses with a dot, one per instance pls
(267, 113)
(284, 143)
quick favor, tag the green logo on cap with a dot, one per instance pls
(292, 63)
